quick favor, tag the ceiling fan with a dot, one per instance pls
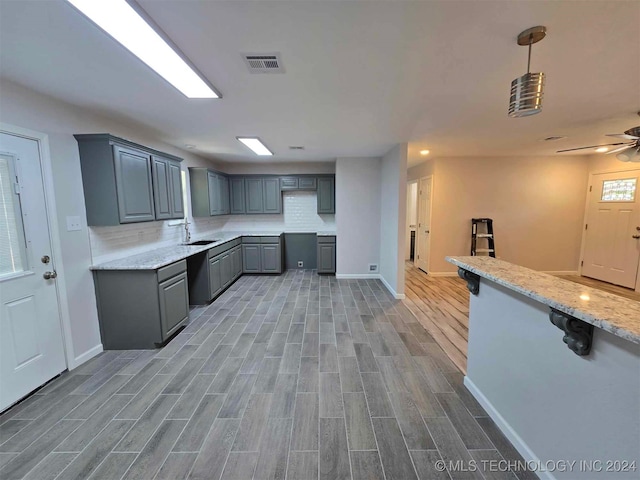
(628, 151)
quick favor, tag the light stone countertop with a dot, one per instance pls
(160, 257)
(614, 314)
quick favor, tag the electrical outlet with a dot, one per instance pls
(74, 224)
(300, 264)
(373, 267)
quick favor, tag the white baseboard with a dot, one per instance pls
(561, 272)
(357, 276)
(369, 276)
(86, 356)
(397, 296)
(515, 439)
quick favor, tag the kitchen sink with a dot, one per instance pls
(203, 242)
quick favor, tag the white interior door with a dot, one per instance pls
(31, 343)
(412, 216)
(424, 223)
(612, 234)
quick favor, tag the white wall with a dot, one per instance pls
(537, 204)
(25, 108)
(393, 206)
(294, 168)
(299, 215)
(357, 215)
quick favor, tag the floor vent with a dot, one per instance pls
(263, 62)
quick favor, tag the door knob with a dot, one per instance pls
(635, 236)
(50, 275)
(45, 259)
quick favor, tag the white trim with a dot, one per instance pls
(428, 260)
(560, 272)
(622, 169)
(345, 276)
(397, 296)
(54, 235)
(508, 431)
(84, 357)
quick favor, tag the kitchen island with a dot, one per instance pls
(557, 366)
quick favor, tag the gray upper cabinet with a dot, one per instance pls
(262, 195)
(167, 188)
(175, 189)
(133, 184)
(326, 195)
(307, 183)
(289, 183)
(272, 195)
(125, 182)
(209, 192)
(254, 189)
(236, 195)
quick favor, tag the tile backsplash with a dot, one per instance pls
(299, 215)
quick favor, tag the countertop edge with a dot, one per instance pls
(601, 323)
(193, 250)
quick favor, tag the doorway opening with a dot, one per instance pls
(412, 221)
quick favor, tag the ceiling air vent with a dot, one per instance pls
(296, 147)
(554, 138)
(263, 62)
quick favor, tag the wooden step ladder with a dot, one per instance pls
(488, 234)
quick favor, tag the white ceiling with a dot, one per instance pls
(360, 76)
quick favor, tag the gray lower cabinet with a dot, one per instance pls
(209, 192)
(215, 277)
(125, 182)
(271, 258)
(140, 309)
(251, 262)
(262, 254)
(326, 195)
(327, 254)
(167, 188)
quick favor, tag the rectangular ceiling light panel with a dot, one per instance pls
(255, 144)
(123, 23)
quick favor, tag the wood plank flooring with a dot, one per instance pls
(441, 305)
(282, 377)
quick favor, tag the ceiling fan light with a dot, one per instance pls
(526, 95)
(631, 154)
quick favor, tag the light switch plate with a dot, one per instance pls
(74, 224)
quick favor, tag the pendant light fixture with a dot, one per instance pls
(527, 90)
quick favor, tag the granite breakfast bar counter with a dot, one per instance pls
(557, 366)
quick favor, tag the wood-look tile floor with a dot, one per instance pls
(282, 377)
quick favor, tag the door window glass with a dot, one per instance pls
(622, 190)
(12, 245)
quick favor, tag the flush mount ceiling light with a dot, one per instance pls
(256, 145)
(122, 22)
(527, 90)
(424, 152)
